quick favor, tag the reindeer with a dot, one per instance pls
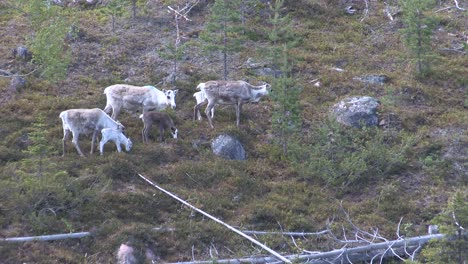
(230, 93)
(116, 136)
(134, 98)
(85, 121)
(163, 120)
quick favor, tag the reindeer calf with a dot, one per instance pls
(163, 121)
(116, 136)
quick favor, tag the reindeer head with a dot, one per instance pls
(170, 97)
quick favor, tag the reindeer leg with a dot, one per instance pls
(143, 134)
(119, 147)
(66, 135)
(207, 113)
(238, 107)
(161, 133)
(93, 140)
(101, 145)
(77, 146)
(115, 112)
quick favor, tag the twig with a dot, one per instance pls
(366, 11)
(456, 221)
(216, 220)
(457, 6)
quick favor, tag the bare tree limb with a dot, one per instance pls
(45, 237)
(456, 221)
(274, 253)
(366, 10)
(457, 6)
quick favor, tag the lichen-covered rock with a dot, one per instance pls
(373, 79)
(356, 111)
(228, 147)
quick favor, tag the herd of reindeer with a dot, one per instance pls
(151, 101)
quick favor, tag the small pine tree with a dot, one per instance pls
(453, 222)
(224, 30)
(50, 24)
(418, 32)
(114, 9)
(286, 118)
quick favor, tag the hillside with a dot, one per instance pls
(407, 173)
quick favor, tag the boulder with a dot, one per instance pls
(17, 83)
(228, 147)
(125, 255)
(373, 79)
(356, 111)
(22, 53)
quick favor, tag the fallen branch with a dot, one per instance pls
(400, 247)
(45, 237)
(253, 232)
(216, 220)
(299, 234)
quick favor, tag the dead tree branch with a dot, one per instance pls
(45, 237)
(216, 220)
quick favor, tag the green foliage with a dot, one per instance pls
(343, 156)
(224, 30)
(286, 117)
(451, 222)
(418, 32)
(40, 145)
(392, 203)
(114, 9)
(51, 24)
(174, 52)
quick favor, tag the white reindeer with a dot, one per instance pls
(116, 136)
(163, 121)
(230, 93)
(85, 121)
(135, 98)
(200, 98)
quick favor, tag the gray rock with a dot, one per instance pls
(17, 83)
(22, 53)
(356, 111)
(125, 255)
(228, 147)
(373, 79)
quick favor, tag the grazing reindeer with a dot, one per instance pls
(230, 93)
(85, 121)
(200, 97)
(134, 98)
(116, 136)
(163, 121)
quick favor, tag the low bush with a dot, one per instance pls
(346, 157)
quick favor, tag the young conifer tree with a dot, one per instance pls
(51, 24)
(286, 118)
(224, 30)
(418, 32)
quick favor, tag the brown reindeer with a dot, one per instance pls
(162, 120)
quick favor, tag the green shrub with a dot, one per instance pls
(342, 156)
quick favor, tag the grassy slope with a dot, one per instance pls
(103, 194)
